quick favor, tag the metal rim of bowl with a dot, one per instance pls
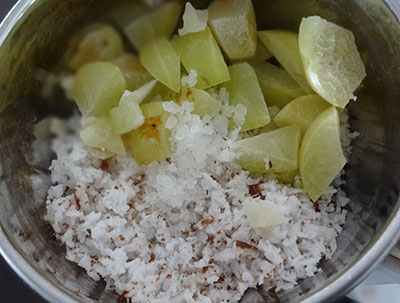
(340, 285)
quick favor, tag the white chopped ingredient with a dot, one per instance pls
(263, 215)
(191, 79)
(194, 20)
(195, 228)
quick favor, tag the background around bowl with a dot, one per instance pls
(12, 288)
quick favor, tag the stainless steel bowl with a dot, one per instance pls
(33, 38)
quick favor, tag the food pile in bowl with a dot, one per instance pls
(210, 161)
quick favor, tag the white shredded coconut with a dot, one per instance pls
(191, 79)
(177, 230)
(194, 20)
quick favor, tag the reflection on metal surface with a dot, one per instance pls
(373, 173)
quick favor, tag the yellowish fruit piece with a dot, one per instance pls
(98, 87)
(150, 142)
(301, 111)
(275, 151)
(194, 20)
(243, 88)
(321, 156)
(284, 46)
(99, 134)
(331, 60)
(126, 117)
(99, 44)
(276, 84)
(204, 103)
(263, 216)
(134, 72)
(162, 62)
(158, 93)
(200, 51)
(138, 95)
(153, 25)
(234, 25)
(273, 111)
(262, 53)
(287, 177)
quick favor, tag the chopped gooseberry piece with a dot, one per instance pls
(301, 111)
(194, 20)
(321, 156)
(153, 25)
(98, 43)
(150, 142)
(99, 134)
(263, 216)
(275, 151)
(138, 95)
(134, 72)
(162, 62)
(276, 84)
(200, 51)
(243, 88)
(98, 87)
(126, 117)
(331, 60)
(234, 25)
(284, 46)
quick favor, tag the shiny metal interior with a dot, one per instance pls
(34, 37)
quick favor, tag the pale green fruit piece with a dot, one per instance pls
(234, 25)
(273, 111)
(284, 46)
(331, 60)
(262, 53)
(150, 142)
(100, 135)
(301, 112)
(287, 177)
(154, 25)
(321, 156)
(100, 44)
(126, 117)
(244, 89)
(194, 20)
(200, 51)
(98, 87)
(204, 103)
(134, 72)
(275, 151)
(263, 216)
(158, 93)
(276, 84)
(138, 95)
(162, 62)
